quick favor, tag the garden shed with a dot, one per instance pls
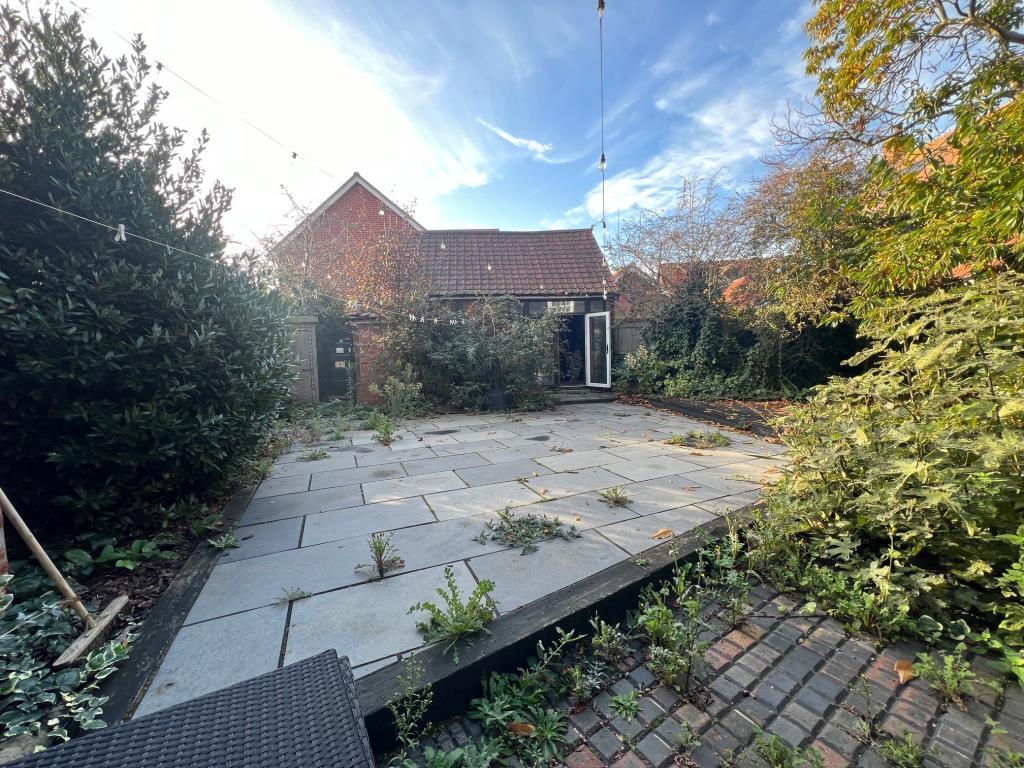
(562, 271)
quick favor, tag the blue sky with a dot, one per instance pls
(477, 113)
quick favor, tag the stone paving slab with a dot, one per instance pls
(585, 511)
(355, 619)
(634, 535)
(206, 657)
(671, 492)
(517, 469)
(484, 498)
(264, 538)
(428, 466)
(278, 486)
(366, 519)
(573, 482)
(651, 468)
(389, 456)
(262, 510)
(434, 496)
(259, 581)
(411, 486)
(520, 579)
(301, 467)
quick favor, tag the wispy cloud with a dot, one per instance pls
(538, 148)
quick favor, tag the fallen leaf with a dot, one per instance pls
(690, 487)
(697, 453)
(578, 518)
(521, 729)
(904, 671)
(662, 533)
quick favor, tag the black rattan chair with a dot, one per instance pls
(305, 715)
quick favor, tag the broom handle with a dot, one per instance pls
(7, 510)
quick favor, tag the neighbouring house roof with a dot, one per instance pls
(544, 263)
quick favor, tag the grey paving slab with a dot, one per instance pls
(301, 467)
(483, 434)
(635, 535)
(445, 542)
(650, 496)
(459, 461)
(724, 478)
(713, 457)
(725, 504)
(426, 441)
(641, 451)
(488, 474)
(206, 657)
(388, 456)
(298, 504)
(531, 451)
(278, 486)
(294, 454)
(578, 481)
(366, 519)
(577, 460)
(263, 539)
(411, 486)
(355, 476)
(650, 468)
(259, 581)
(351, 620)
(471, 447)
(520, 579)
(480, 499)
(585, 511)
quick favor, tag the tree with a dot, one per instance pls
(131, 372)
(800, 222)
(698, 229)
(887, 68)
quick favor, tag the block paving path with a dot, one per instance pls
(803, 679)
(306, 527)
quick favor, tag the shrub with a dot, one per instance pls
(909, 474)
(401, 395)
(38, 700)
(640, 372)
(132, 373)
(457, 357)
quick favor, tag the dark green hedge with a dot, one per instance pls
(129, 373)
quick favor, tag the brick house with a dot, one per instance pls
(557, 270)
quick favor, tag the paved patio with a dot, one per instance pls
(307, 525)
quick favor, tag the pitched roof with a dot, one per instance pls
(545, 263)
(352, 181)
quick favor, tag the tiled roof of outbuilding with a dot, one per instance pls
(542, 263)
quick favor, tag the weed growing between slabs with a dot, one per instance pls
(525, 530)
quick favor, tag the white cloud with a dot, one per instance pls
(321, 88)
(538, 148)
(712, 18)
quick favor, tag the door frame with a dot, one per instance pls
(607, 347)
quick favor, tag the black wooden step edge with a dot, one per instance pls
(513, 636)
(753, 422)
(128, 685)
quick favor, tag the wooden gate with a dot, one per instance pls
(307, 384)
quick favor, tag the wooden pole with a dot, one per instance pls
(7, 510)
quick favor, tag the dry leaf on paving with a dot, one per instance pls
(696, 453)
(662, 533)
(904, 670)
(690, 487)
(521, 729)
(578, 518)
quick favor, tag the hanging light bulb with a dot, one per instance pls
(602, 163)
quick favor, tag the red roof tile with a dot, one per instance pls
(545, 263)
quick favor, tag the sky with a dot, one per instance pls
(474, 113)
